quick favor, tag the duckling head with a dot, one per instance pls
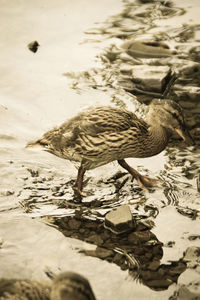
(169, 115)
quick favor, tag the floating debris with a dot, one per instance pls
(33, 46)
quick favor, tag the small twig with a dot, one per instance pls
(130, 258)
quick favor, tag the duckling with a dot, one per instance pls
(104, 134)
(71, 286)
(65, 286)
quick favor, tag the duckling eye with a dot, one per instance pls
(175, 115)
(44, 144)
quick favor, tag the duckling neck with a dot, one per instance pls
(157, 140)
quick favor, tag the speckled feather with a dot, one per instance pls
(103, 134)
(97, 136)
(11, 289)
(65, 286)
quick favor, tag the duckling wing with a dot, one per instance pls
(109, 119)
(101, 135)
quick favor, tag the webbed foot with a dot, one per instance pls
(145, 182)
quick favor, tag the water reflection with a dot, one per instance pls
(138, 251)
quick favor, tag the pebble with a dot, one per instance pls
(103, 252)
(139, 237)
(192, 254)
(154, 265)
(151, 78)
(95, 239)
(190, 292)
(162, 283)
(119, 220)
(74, 224)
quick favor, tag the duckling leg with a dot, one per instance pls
(143, 181)
(79, 182)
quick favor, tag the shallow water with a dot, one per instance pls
(34, 97)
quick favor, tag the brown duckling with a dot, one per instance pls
(103, 134)
(65, 286)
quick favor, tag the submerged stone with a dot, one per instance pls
(190, 292)
(74, 224)
(151, 78)
(140, 237)
(119, 220)
(195, 53)
(103, 252)
(189, 92)
(192, 254)
(147, 49)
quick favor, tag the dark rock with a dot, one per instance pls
(154, 265)
(105, 235)
(178, 269)
(1, 242)
(33, 46)
(194, 237)
(185, 211)
(74, 224)
(103, 252)
(157, 251)
(187, 104)
(117, 258)
(148, 256)
(124, 266)
(139, 237)
(170, 244)
(119, 220)
(195, 53)
(146, 275)
(162, 283)
(94, 239)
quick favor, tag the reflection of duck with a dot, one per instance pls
(147, 49)
(71, 286)
(65, 286)
(104, 134)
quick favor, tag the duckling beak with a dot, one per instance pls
(185, 135)
(35, 144)
(31, 144)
